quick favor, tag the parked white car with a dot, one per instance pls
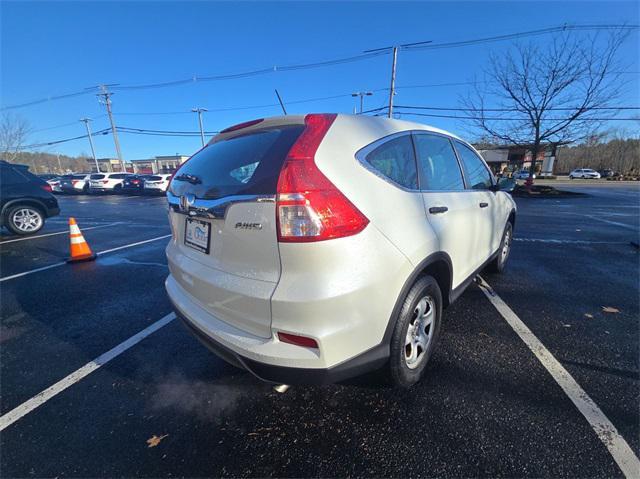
(308, 249)
(584, 173)
(157, 183)
(106, 182)
(75, 183)
(55, 184)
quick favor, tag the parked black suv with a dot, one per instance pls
(25, 199)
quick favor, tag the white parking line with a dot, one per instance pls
(42, 397)
(57, 233)
(566, 241)
(603, 427)
(99, 253)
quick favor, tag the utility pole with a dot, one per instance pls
(199, 111)
(361, 94)
(93, 150)
(392, 90)
(106, 95)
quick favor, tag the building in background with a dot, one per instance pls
(106, 165)
(504, 159)
(158, 164)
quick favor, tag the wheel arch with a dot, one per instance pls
(439, 266)
(22, 202)
(512, 218)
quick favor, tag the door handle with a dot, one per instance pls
(484, 205)
(434, 210)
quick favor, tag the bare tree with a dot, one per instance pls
(552, 94)
(14, 131)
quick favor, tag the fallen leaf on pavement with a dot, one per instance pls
(154, 440)
(609, 309)
(567, 325)
(587, 315)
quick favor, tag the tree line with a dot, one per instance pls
(619, 154)
(40, 163)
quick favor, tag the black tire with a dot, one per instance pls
(570, 177)
(500, 261)
(117, 189)
(20, 227)
(401, 372)
(85, 189)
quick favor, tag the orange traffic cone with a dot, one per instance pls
(80, 250)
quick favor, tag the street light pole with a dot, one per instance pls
(199, 112)
(93, 150)
(362, 94)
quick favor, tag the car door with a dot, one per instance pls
(451, 210)
(479, 182)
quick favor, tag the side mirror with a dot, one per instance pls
(506, 184)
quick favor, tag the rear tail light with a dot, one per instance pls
(75, 182)
(135, 182)
(104, 182)
(309, 206)
(303, 341)
(47, 187)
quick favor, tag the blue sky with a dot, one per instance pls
(52, 48)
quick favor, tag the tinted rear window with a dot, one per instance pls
(96, 177)
(154, 178)
(79, 177)
(243, 165)
(11, 176)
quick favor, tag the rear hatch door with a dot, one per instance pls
(224, 251)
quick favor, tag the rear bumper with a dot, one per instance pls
(235, 347)
(71, 189)
(369, 361)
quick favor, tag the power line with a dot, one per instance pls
(105, 131)
(458, 117)
(416, 107)
(366, 55)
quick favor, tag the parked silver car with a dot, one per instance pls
(308, 249)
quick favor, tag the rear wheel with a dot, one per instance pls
(500, 261)
(416, 332)
(24, 220)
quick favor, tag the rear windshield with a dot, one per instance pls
(96, 177)
(154, 178)
(243, 165)
(79, 177)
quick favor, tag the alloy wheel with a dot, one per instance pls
(27, 219)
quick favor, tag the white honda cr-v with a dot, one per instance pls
(309, 249)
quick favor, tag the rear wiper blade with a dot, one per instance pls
(193, 179)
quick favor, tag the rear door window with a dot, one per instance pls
(11, 176)
(96, 177)
(438, 166)
(395, 160)
(242, 165)
(478, 175)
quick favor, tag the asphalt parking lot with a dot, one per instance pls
(165, 406)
